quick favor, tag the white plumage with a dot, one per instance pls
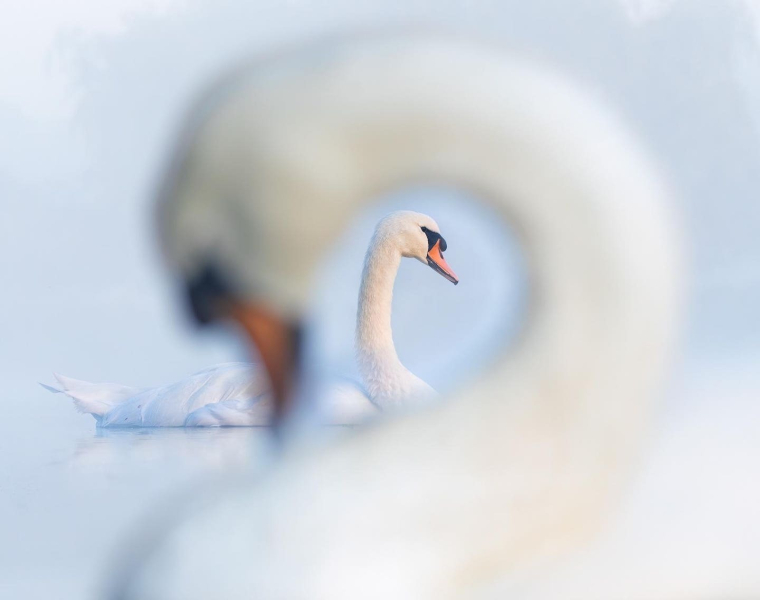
(236, 390)
(515, 468)
(237, 394)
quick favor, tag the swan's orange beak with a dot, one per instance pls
(436, 261)
(276, 343)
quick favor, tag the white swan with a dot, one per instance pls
(514, 469)
(237, 394)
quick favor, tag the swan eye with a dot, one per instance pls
(433, 237)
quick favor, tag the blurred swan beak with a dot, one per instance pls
(276, 343)
(436, 261)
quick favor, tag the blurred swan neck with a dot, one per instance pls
(374, 338)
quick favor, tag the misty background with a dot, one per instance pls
(91, 95)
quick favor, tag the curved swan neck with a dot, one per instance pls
(374, 338)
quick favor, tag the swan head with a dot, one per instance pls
(416, 235)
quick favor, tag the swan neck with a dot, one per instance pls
(374, 337)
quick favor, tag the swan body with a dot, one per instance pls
(511, 471)
(227, 394)
(237, 394)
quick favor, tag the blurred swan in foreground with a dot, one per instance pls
(237, 394)
(511, 471)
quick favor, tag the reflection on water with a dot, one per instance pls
(197, 448)
(71, 494)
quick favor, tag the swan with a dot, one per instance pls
(511, 471)
(238, 394)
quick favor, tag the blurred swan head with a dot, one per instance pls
(522, 462)
(526, 458)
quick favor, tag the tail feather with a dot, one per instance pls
(50, 388)
(93, 398)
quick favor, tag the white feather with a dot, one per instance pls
(237, 394)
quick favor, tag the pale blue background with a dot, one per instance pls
(90, 94)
